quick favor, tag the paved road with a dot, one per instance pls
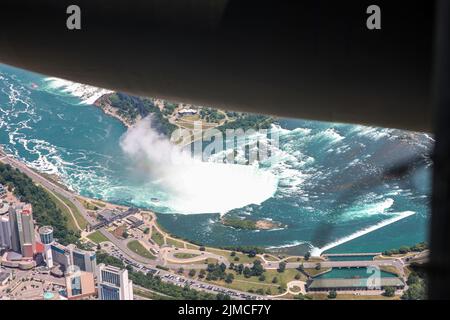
(46, 184)
(169, 253)
(334, 264)
(123, 247)
(180, 280)
(398, 263)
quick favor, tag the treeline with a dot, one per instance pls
(251, 251)
(211, 115)
(131, 107)
(151, 282)
(244, 224)
(405, 249)
(45, 211)
(155, 283)
(417, 284)
(247, 121)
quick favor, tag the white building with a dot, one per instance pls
(5, 233)
(85, 260)
(46, 235)
(113, 283)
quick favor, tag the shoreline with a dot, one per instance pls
(103, 104)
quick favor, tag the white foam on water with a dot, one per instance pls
(87, 94)
(399, 216)
(289, 245)
(373, 133)
(364, 210)
(195, 186)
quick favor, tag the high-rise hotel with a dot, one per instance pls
(113, 283)
(22, 229)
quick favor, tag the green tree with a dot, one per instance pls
(416, 291)
(413, 278)
(192, 273)
(257, 268)
(307, 256)
(260, 291)
(281, 267)
(222, 296)
(229, 278)
(332, 294)
(389, 292)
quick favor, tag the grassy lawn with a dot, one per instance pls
(390, 269)
(204, 261)
(270, 258)
(97, 237)
(251, 284)
(139, 249)
(242, 283)
(243, 258)
(181, 255)
(296, 289)
(157, 237)
(99, 204)
(294, 259)
(301, 259)
(151, 295)
(283, 277)
(70, 222)
(175, 243)
(313, 271)
(191, 246)
(87, 204)
(194, 117)
(78, 216)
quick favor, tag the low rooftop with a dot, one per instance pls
(356, 283)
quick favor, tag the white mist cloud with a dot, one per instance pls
(194, 186)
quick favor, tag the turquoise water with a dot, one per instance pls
(350, 258)
(331, 188)
(48, 295)
(349, 273)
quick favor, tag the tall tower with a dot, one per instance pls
(5, 233)
(22, 229)
(46, 235)
(113, 283)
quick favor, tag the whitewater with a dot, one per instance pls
(311, 179)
